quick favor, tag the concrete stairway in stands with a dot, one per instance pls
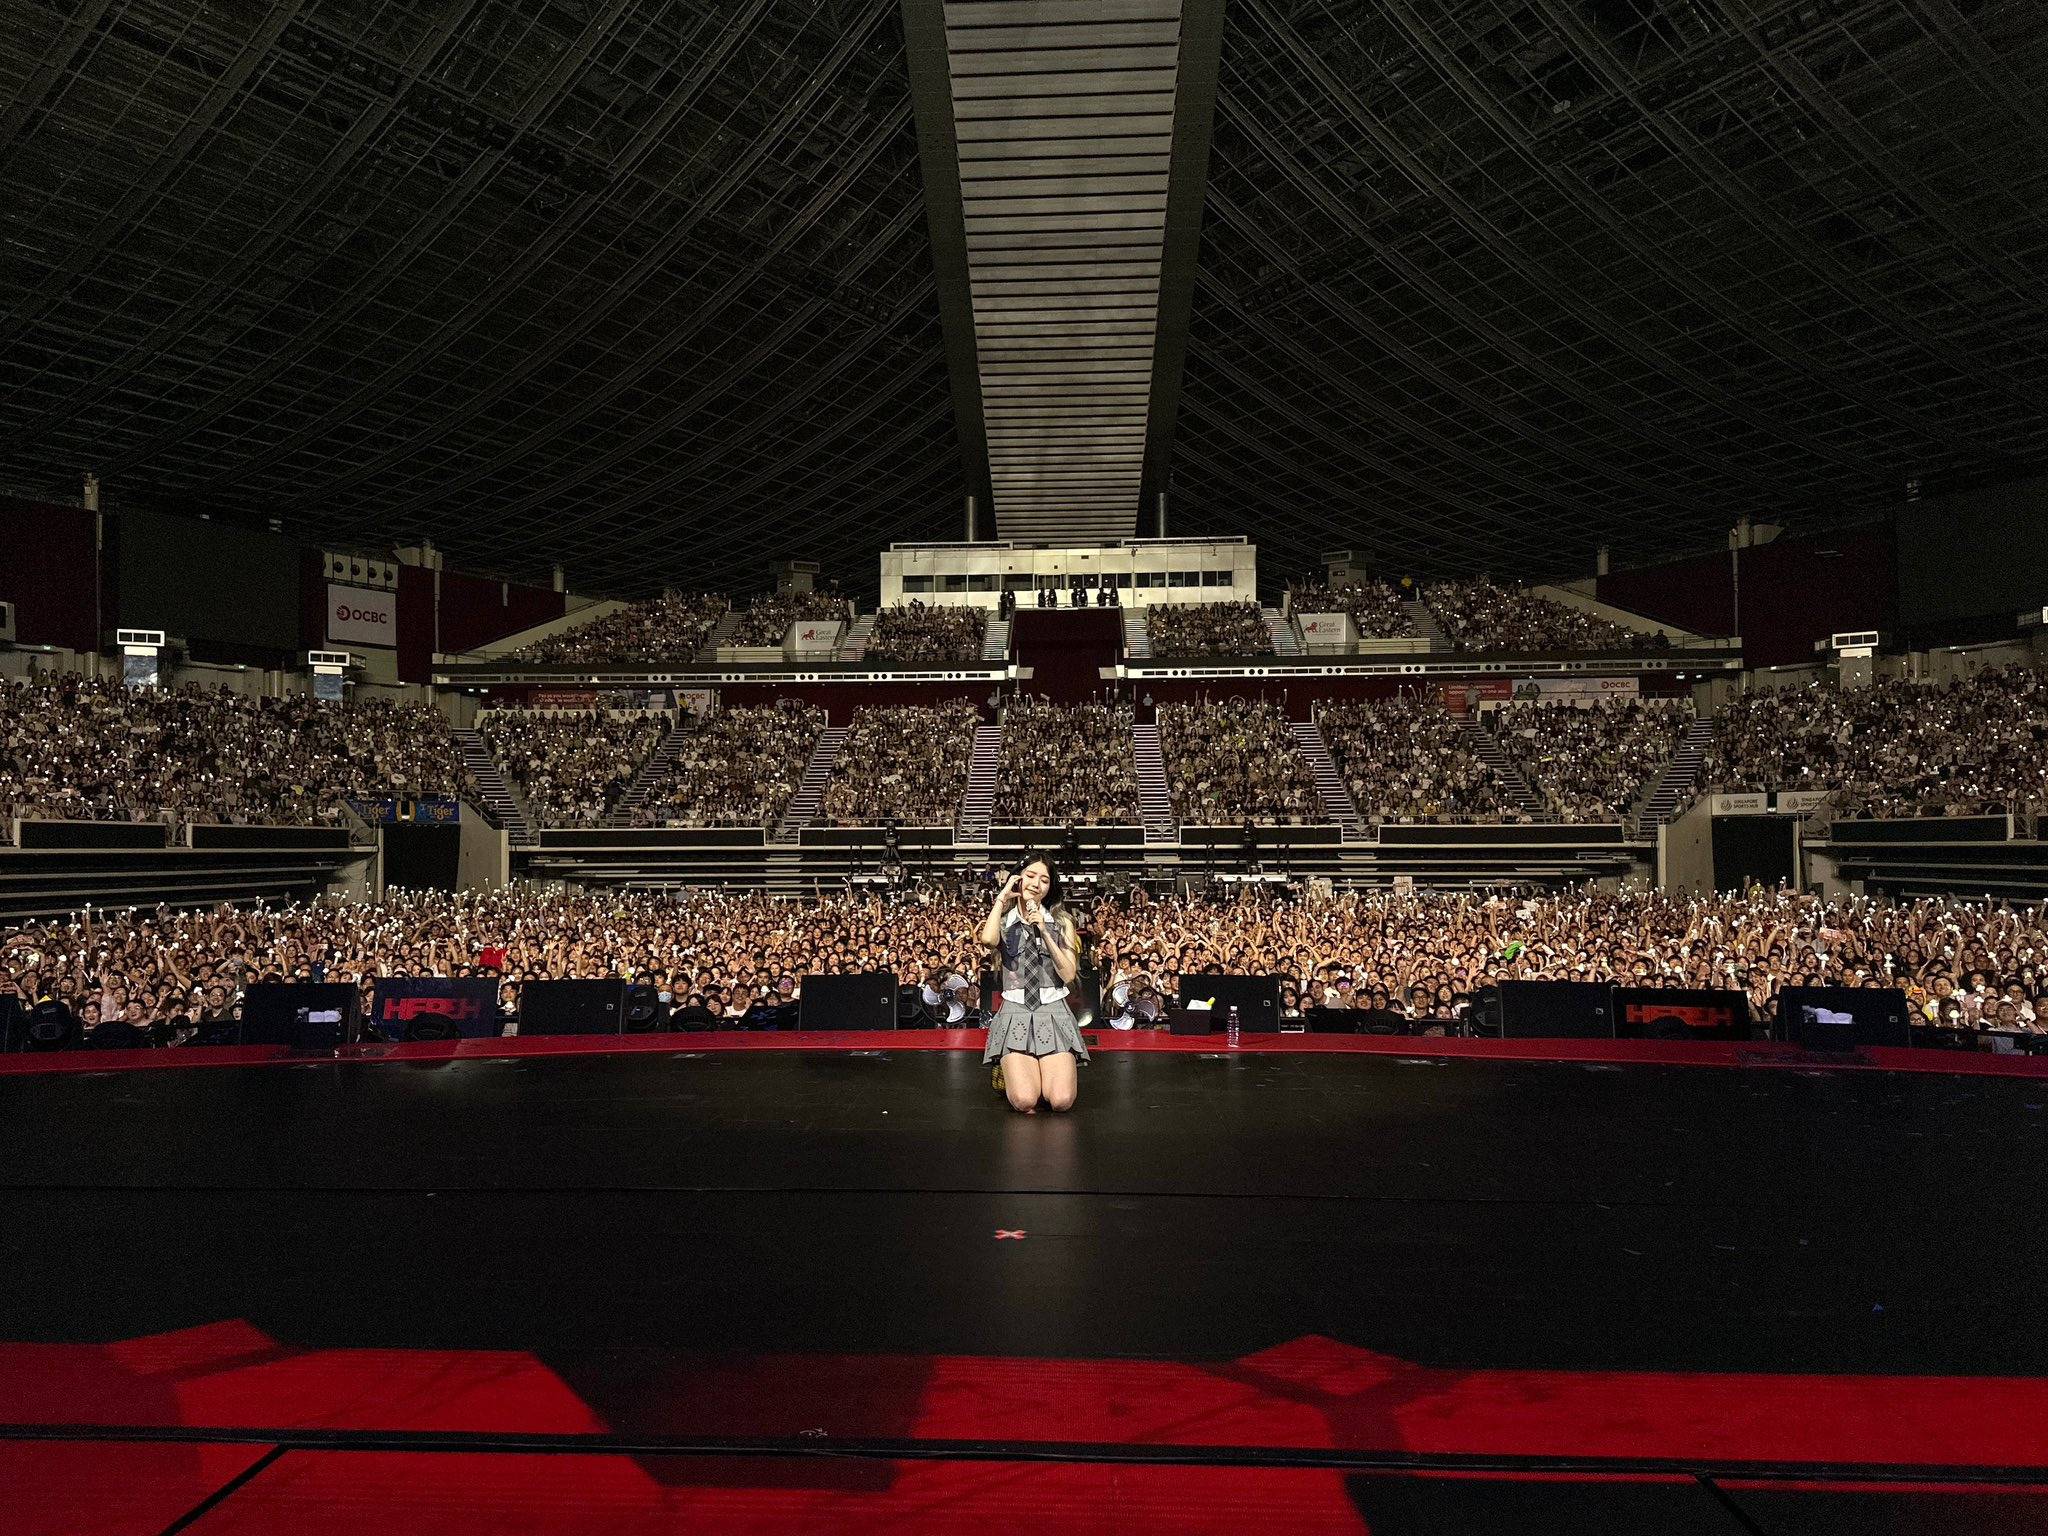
(1426, 625)
(995, 639)
(1137, 643)
(1672, 788)
(1155, 800)
(853, 645)
(721, 634)
(1490, 752)
(500, 800)
(803, 805)
(978, 802)
(1338, 804)
(652, 774)
(1286, 638)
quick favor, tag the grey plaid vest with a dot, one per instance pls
(1029, 971)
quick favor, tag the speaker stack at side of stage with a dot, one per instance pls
(1556, 1010)
(866, 1000)
(573, 1007)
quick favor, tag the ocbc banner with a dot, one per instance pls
(361, 616)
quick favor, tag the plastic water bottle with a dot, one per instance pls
(1230, 1027)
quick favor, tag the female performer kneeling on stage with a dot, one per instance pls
(1034, 1040)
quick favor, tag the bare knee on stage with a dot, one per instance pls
(1021, 1080)
(1060, 1080)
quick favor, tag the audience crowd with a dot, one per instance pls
(914, 633)
(1894, 748)
(713, 957)
(1589, 764)
(1207, 629)
(672, 627)
(906, 761)
(570, 766)
(1482, 616)
(737, 769)
(1408, 759)
(1066, 763)
(767, 619)
(1230, 761)
(1379, 611)
(82, 750)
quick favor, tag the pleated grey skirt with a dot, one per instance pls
(1045, 1030)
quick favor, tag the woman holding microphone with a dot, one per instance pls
(1033, 1039)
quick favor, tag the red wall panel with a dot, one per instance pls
(476, 611)
(49, 569)
(1791, 593)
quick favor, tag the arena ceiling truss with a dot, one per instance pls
(1485, 285)
(652, 290)
(641, 287)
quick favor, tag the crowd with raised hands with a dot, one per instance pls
(905, 761)
(766, 620)
(713, 957)
(571, 766)
(1482, 615)
(1894, 748)
(672, 627)
(1377, 609)
(1408, 759)
(913, 632)
(79, 749)
(1588, 763)
(1424, 954)
(1066, 763)
(1207, 629)
(737, 769)
(1229, 761)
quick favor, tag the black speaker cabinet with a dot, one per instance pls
(863, 1001)
(1556, 1010)
(573, 1007)
(1843, 1018)
(303, 1015)
(1257, 999)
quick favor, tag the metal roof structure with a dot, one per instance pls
(662, 292)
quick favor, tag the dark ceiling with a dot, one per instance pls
(636, 285)
(645, 287)
(1483, 285)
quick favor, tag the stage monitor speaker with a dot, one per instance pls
(44, 1027)
(1844, 1018)
(302, 1015)
(1257, 999)
(1556, 1010)
(435, 1008)
(573, 1007)
(1680, 1013)
(865, 1000)
(645, 1013)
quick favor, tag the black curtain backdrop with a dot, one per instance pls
(1752, 848)
(422, 858)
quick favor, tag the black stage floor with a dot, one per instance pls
(1718, 1293)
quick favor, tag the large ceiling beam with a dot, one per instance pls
(938, 154)
(1065, 199)
(1187, 191)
